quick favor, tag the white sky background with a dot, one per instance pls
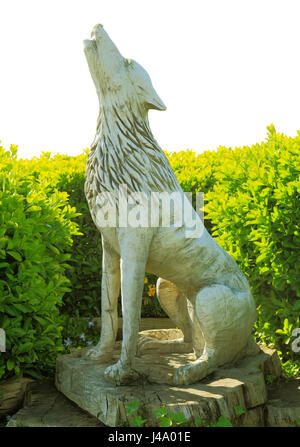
(224, 68)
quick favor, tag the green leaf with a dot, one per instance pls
(10, 364)
(22, 307)
(3, 265)
(270, 378)
(34, 208)
(42, 321)
(178, 418)
(15, 255)
(54, 249)
(11, 310)
(286, 325)
(296, 305)
(162, 411)
(223, 422)
(137, 421)
(132, 407)
(198, 422)
(50, 328)
(165, 422)
(25, 347)
(238, 410)
(261, 257)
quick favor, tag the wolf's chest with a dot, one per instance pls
(92, 185)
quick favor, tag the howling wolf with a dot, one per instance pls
(200, 287)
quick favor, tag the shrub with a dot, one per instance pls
(36, 232)
(254, 211)
(67, 174)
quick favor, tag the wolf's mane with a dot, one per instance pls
(124, 152)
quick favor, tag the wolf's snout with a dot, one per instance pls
(97, 31)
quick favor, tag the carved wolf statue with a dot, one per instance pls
(200, 287)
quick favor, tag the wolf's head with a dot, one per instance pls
(116, 78)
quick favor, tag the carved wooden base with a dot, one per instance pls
(243, 385)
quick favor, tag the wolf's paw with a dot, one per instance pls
(194, 372)
(96, 353)
(119, 374)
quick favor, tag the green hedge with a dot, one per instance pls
(36, 231)
(254, 210)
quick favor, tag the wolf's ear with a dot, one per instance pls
(144, 87)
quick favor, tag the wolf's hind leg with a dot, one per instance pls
(174, 303)
(226, 318)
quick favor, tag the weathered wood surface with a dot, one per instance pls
(44, 406)
(243, 384)
(13, 393)
(283, 406)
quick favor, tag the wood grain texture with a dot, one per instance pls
(243, 384)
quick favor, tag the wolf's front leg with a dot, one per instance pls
(134, 249)
(110, 290)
